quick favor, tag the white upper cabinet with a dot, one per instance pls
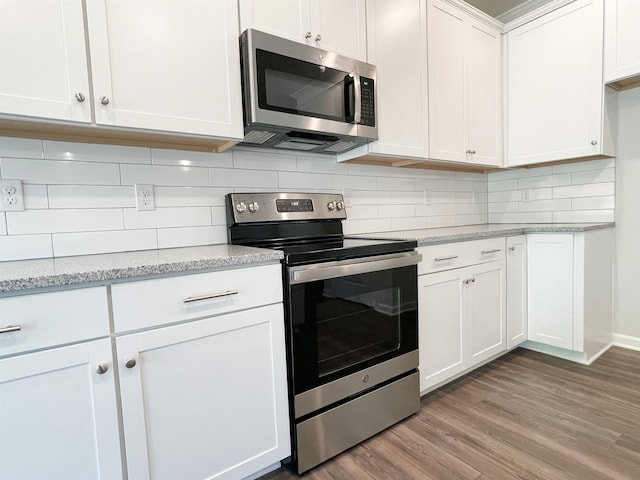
(464, 87)
(392, 27)
(557, 105)
(178, 70)
(621, 41)
(43, 61)
(335, 25)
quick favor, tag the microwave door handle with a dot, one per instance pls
(349, 98)
(357, 116)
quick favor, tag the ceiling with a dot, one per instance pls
(500, 9)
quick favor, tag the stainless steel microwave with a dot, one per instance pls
(303, 98)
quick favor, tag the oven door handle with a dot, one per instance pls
(344, 268)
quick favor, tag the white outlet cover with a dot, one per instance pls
(145, 199)
(525, 195)
(11, 196)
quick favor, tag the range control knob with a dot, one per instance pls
(331, 206)
(254, 207)
(241, 207)
(340, 205)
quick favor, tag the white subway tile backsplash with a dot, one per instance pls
(58, 221)
(264, 160)
(432, 210)
(546, 205)
(545, 181)
(190, 236)
(541, 193)
(504, 207)
(593, 176)
(322, 164)
(359, 212)
(503, 185)
(405, 198)
(586, 165)
(476, 219)
(593, 203)
(431, 185)
(392, 183)
(35, 196)
(218, 216)
(244, 179)
(94, 196)
(593, 190)
(20, 148)
(524, 217)
(25, 247)
(390, 211)
(409, 223)
(89, 152)
(88, 243)
(443, 221)
(369, 197)
(165, 175)
(185, 158)
(355, 182)
(367, 226)
(3, 224)
(494, 197)
(583, 216)
(190, 196)
(60, 172)
(167, 217)
(305, 180)
(512, 196)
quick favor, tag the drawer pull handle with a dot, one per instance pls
(442, 259)
(228, 293)
(487, 252)
(130, 363)
(10, 328)
(102, 368)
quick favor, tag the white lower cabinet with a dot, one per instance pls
(58, 413)
(461, 310)
(205, 398)
(516, 290)
(570, 293)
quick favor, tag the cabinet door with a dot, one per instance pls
(177, 70)
(340, 26)
(441, 326)
(401, 90)
(516, 290)
(486, 310)
(206, 399)
(284, 18)
(551, 289)
(484, 93)
(555, 91)
(67, 424)
(622, 39)
(44, 60)
(447, 95)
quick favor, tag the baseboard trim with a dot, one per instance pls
(626, 341)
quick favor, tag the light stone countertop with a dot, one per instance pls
(433, 236)
(106, 268)
(24, 275)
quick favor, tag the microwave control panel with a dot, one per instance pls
(368, 106)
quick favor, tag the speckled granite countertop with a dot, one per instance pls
(432, 236)
(72, 271)
(106, 268)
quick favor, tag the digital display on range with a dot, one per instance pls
(297, 205)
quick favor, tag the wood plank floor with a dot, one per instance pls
(524, 416)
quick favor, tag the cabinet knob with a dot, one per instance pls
(307, 35)
(594, 142)
(318, 38)
(512, 248)
(80, 97)
(102, 368)
(104, 100)
(130, 363)
(473, 152)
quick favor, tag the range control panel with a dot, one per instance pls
(282, 207)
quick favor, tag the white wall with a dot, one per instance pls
(627, 263)
(79, 198)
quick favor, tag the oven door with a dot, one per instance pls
(353, 325)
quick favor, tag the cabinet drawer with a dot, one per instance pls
(436, 258)
(50, 319)
(150, 303)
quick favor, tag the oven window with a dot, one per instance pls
(293, 86)
(341, 325)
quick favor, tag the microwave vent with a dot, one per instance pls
(341, 147)
(258, 137)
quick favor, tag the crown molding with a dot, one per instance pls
(476, 13)
(541, 8)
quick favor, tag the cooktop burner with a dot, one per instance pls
(307, 227)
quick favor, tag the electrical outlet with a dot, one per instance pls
(12, 197)
(427, 197)
(144, 197)
(347, 196)
(525, 195)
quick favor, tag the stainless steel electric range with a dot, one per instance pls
(351, 314)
